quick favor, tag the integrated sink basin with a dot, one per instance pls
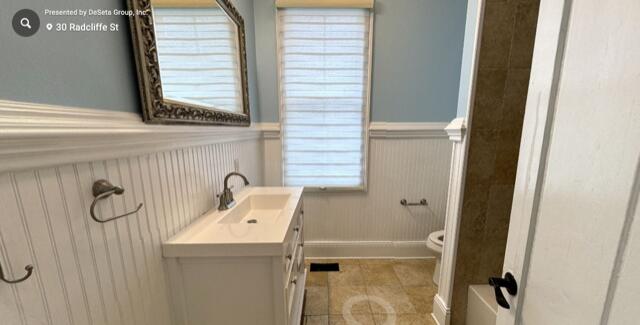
(257, 208)
(255, 226)
(254, 249)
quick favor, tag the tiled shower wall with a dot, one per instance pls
(504, 65)
(91, 273)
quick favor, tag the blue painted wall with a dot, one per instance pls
(92, 70)
(416, 59)
(80, 69)
(467, 57)
(265, 21)
(416, 63)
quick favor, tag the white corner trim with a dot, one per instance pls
(367, 249)
(456, 129)
(452, 219)
(270, 130)
(39, 135)
(441, 312)
(407, 130)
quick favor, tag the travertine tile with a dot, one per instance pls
(317, 301)
(317, 279)
(393, 300)
(349, 275)
(413, 274)
(405, 319)
(354, 319)
(490, 88)
(379, 275)
(514, 103)
(341, 261)
(495, 45)
(428, 262)
(524, 35)
(355, 297)
(377, 261)
(317, 320)
(421, 297)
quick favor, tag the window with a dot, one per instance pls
(324, 95)
(206, 39)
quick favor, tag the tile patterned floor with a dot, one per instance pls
(371, 292)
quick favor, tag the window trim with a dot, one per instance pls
(367, 115)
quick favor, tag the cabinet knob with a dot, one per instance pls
(295, 280)
(296, 229)
(289, 256)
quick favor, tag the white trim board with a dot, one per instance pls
(441, 313)
(388, 130)
(407, 130)
(367, 249)
(39, 135)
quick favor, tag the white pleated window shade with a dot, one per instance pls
(198, 57)
(324, 89)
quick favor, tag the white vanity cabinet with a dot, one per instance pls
(255, 276)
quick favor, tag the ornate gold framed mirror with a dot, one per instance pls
(191, 62)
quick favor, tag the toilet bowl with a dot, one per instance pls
(434, 243)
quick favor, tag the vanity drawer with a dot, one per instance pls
(292, 260)
(294, 238)
(295, 281)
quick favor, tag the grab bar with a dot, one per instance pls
(405, 203)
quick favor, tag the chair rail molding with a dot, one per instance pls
(455, 130)
(271, 130)
(407, 130)
(381, 130)
(37, 135)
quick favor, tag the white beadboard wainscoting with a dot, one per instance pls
(112, 273)
(406, 160)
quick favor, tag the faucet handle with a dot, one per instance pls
(219, 194)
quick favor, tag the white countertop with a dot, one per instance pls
(208, 236)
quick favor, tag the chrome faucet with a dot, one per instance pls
(226, 197)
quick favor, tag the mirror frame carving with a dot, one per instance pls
(157, 110)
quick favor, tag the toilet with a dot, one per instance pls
(434, 243)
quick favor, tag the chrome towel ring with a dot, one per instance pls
(28, 268)
(103, 189)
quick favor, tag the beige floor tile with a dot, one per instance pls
(396, 299)
(413, 274)
(356, 296)
(317, 301)
(404, 319)
(342, 261)
(317, 320)
(380, 275)
(317, 279)
(430, 263)
(355, 319)
(421, 297)
(377, 261)
(349, 275)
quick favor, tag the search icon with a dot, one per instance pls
(25, 22)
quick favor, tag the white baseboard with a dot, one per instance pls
(441, 313)
(368, 249)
